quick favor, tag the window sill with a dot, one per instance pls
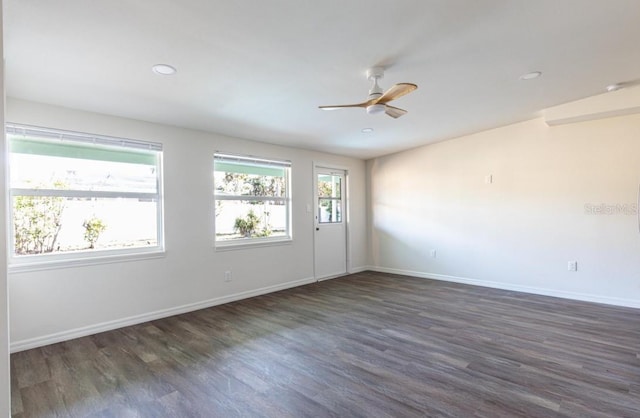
(243, 245)
(62, 263)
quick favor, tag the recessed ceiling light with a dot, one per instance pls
(531, 75)
(614, 87)
(367, 130)
(163, 69)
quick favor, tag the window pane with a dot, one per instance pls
(243, 184)
(238, 219)
(329, 210)
(30, 171)
(329, 185)
(57, 224)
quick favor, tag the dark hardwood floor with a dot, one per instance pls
(366, 345)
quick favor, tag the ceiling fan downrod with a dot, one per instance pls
(374, 74)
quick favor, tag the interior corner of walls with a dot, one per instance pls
(360, 269)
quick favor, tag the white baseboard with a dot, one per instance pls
(151, 316)
(138, 319)
(629, 303)
(352, 270)
(360, 269)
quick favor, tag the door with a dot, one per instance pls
(330, 238)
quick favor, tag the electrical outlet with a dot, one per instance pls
(433, 253)
(228, 276)
(572, 266)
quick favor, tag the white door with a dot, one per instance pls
(330, 223)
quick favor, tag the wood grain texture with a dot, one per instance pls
(365, 345)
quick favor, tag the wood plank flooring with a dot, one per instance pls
(366, 345)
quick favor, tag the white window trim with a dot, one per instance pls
(231, 245)
(34, 262)
(69, 260)
(227, 245)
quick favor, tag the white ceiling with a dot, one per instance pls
(258, 69)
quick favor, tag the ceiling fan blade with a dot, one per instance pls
(394, 112)
(396, 91)
(334, 107)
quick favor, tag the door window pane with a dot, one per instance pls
(329, 186)
(329, 198)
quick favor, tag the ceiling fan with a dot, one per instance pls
(377, 101)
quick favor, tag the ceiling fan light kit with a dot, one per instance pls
(377, 100)
(376, 109)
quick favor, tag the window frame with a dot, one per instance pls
(28, 262)
(259, 162)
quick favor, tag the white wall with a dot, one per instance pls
(5, 406)
(56, 304)
(520, 231)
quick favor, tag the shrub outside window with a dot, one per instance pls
(251, 199)
(77, 196)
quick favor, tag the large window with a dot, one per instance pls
(74, 195)
(251, 199)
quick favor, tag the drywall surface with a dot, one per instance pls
(511, 207)
(57, 304)
(5, 405)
